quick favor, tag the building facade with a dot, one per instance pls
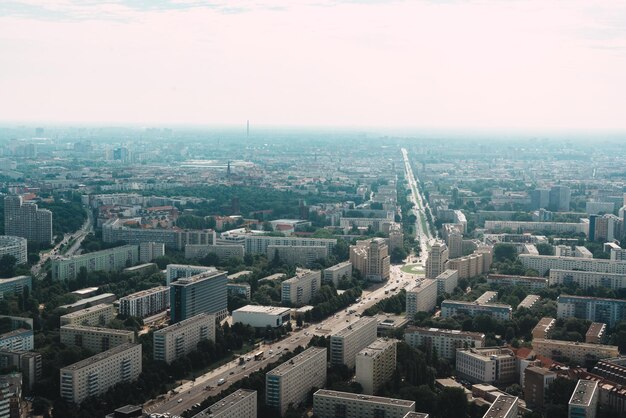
(437, 259)
(299, 289)
(177, 340)
(421, 298)
(345, 344)
(333, 404)
(608, 311)
(26, 220)
(93, 316)
(148, 251)
(371, 258)
(445, 341)
(261, 316)
(335, 273)
(95, 339)
(112, 259)
(573, 351)
(14, 246)
(447, 281)
(240, 404)
(15, 285)
(375, 364)
(487, 365)
(146, 302)
(202, 293)
(584, 400)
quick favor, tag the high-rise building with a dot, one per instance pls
(584, 400)
(257, 244)
(444, 341)
(539, 199)
(148, 251)
(299, 289)
(15, 246)
(26, 220)
(421, 298)
(146, 302)
(536, 382)
(436, 261)
(202, 293)
(345, 344)
(333, 404)
(112, 259)
(375, 364)
(239, 404)
(95, 339)
(447, 281)
(174, 272)
(335, 273)
(290, 382)
(26, 362)
(371, 258)
(181, 338)
(559, 198)
(297, 255)
(15, 285)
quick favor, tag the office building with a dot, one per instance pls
(202, 293)
(544, 263)
(371, 258)
(148, 251)
(95, 375)
(103, 298)
(437, 259)
(528, 283)
(544, 328)
(447, 282)
(536, 382)
(421, 298)
(574, 351)
(375, 364)
(112, 259)
(222, 251)
(98, 315)
(95, 339)
(505, 406)
(587, 279)
(261, 316)
(444, 341)
(174, 272)
(26, 220)
(299, 289)
(290, 382)
(345, 344)
(333, 404)
(559, 198)
(145, 303)
(14, 246)
(487, 365)
(15, 285)
(584, 400)
(28, 363)
(608, 311)
(257, 244)
(181, 338)
(337, 272)
(240, 404)
(239, 289)
(297, 255)
(18, 339)
(596, 334)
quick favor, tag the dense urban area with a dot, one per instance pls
(179, 272)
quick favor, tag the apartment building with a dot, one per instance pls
(608, 311)
(375, 364)
(471, 265)
(223, 252)
(445, 341)
(299, 289)
(26, 220)
(242, 403)
(145, 303)
(257, 244)
(333, 404)
(536, 382)
(421, 298)
(487, 365)
(14, 246)
(574, 351)
(587, 279)
(239, 289)
(95, 339)
(26, 362)
(437, 259)
(371, 258)
(584, 400)
(487, 297)
(596, 333)
(544, 263)
(290, 382)
(529, 302)
(177, 340)
(447, 281)
(541, 227)
(202, 293)
(335, 273)
(112, 259)
(90, 301)
(345, 344)
(15, 285)
(174, 272)
(261, 316)
(148, 251)
(95, 375)
(93, 316)
(544, 328)
(528, 283)
(297, 255)
(450, 308)
(504, 406)
(18, 339)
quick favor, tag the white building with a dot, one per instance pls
(261, 316)
(333, 404)
(299, 289)
(148, 251)
(529, 302)
(239, 404)
(95, 339)
(527, 282)
(487, 365)
(445, 341)
(300, 255)
(587, 279)
(504, 406)
(421, 298)
(93, 316)
(574, 351)
(450, 308)
(552, 227)
(584, 400)
(181, 338)
(345, 344)
(437, 259)
(447, 281)
(146, 302)
(174, 272)
(375, 364)
(257, 244)
(543, 263)
(15, 246)
(335, 273)
(371, 258)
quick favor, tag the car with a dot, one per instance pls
(243, 368)
(232, 372)
(347, 320)
(197, 405)
(285, 349)
(179, 400)
(271, 351)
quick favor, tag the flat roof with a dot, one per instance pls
(377, 347)
(515, 277)
(596, 328)
(423, 284)
(100, 356)
(441, 331)
(88, 300)
(296, 361)
(276, 276)
(85, 290)
(139, 267)
(15, 332)
(338, 266)
(584, 392)
(483, 305)
(184, 322)
(416, 415)
(146, 292)
(228, 401)
(16, 278)
(501, 407)
(365, 398)
(263, 309)
(98, 329)
(447, 273)
(184, 281)
(355, 326)
(87, 310)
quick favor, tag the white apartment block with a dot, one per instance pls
(617, 254)
(487, 365)
(371, 258)
(587, 279)
(261, 316)
(487, 297)
(471, 265)
(181, 338)
(574, 351)
(450, 308)
(333, 404)
(301, 255)
(584, 401)
(436, 261)
(345, 344)
(95, 339)
(445, 341)
(93, 316)
(95, 375)
(421, 298)
(148, 251)
(553, 227)
(505, 406)
(174, 272)
(375, 364)
(146, 302)
(543, 263)
(527, 282)
(335, 273)
(223, 252)
(257, 244)
(240, 404)
(299, 289)
(447, 281)
(290, 382)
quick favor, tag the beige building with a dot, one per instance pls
(92, 316)
(301, 255)
(445, 341)
(421, 298)
(375, 364)
(95, 339)
(371, 258)
(335, 273)
(95, 375)
(587, 279)
(544, 328)
(596, 333)
(146, 302)
(574, 351)
(487, 365)
(290, 382)
(447, 282)
(436, 261)
(345, 344)
(333, 404)
(181, 338)
(504, 406)
(299, 289)
(148, 251)
(240, 404)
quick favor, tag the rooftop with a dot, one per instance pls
(447, 273)
(583, 393)
(86, 301)
(338, 266)
(416, 415)
(441, 331)
(514, 277)
(184, 281)
(94, 308)
(501, 406)
(16, 278)
(355, 326)
(228, 401)
(98, 329)
(146, 292)
(100, 356)
(298, 360)
(263, 309)
(376, 348)
(365, 398)
(196, 318)
(16, 332)
(85, 290)
(596, 329)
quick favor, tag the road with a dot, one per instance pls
(190, 393)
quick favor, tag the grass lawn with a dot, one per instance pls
(413, 268)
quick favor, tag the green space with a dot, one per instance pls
(413, 268)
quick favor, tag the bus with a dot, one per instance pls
(259, 355)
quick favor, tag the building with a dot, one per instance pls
(559, 199)
(375, 364)
(127, 411)
(145, 303)
(297, 255)
(574, 351)
(584, 400)
(202, 293)
(95, 339)
(421, 298)
(239, 404)
(447, 282)
(333, 404)
(257, 244)
(596, 208)
(371, 258)
(437, 259)
(95, 375)
(93, 316)
(14, 246)
(444, 341)
(181, 338)
(487, 297)
(529, 302)
(91, 301)
(608, 311)
(544, 263)
(539, 199)
(536, 382)
(453, 236)
(299, 289)
(450, 308)
(239, 289)
(112, 259)
(544, 328)
(26, 220)
(471, 265)
(15, 285)
(487, 365)
(538, 227)
(26, 362)
(148, 251)
(289, 383)
(222, 251)
(587, 279)
(337, 272)
(18, 339)
(527, 282)
(596, 334)
(174, 272)
(345, 344)
(505, 406)
(261, 316)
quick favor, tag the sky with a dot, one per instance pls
(432, 64)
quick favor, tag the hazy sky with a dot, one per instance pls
(449, 64)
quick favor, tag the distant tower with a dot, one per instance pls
(248, 128)
(234, 205)
(228, 170)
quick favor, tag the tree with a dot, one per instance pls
(452, 402)
(7, 265)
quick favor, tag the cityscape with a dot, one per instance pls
(329, 259)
